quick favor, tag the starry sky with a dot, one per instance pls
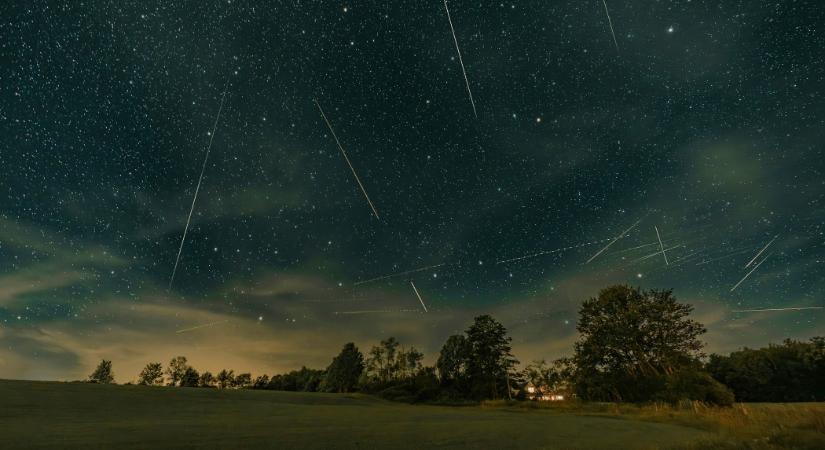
(703, 121)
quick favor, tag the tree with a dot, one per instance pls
(345, 369)
(453, 359)
(261, 382)
(151, 375)
(176, 370)
(103, 373)
(631, 341)
(243, 380)
(490, 362)
(206, 380)
(225, 378)
(791, 372)
(190, 377)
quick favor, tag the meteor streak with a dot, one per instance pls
(201, 326)
(614, 240)
(749, 273)
(358, 180)
(419, 296)
(760, 252)
(461, 61)
(657, 253)
(533, 255)
(384, 277)
(661, 245)
(198, 187)
(373, 311)
(735, 252)
(610, 22)
(779, 309)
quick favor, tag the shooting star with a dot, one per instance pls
(657, 253)
(384, 277)
(358, 180)
(760, 252)
(460, 60)
(749, 273)
(198, 187)
(735, 252)
(614, 240)
(201, 326)
(661, 245)
(610, 22)
(374, 311)
(547, 252)
(419, 296)
(779, 309)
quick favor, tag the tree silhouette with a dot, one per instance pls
(345, 369)
(103, 373)
(225, 378)
(176, 370)
(151, 375)
(453, 359)
(636, 346)
(490, 361)
(206, 380)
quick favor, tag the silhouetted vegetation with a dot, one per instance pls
(344, 371)
(151, 375)
(791, 372)
(103, 373)
(640, 346)
(634, 346)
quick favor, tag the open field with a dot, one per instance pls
(78, 415)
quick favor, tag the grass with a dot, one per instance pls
(78, 415)
(756, 426)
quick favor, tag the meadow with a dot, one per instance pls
(82, 415)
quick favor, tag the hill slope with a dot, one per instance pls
(46, 414)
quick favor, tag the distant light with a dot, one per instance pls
(538, 119)
(670, 29)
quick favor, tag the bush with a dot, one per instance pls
(691, 384)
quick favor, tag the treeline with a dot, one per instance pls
(633, 346)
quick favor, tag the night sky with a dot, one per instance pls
(704, 120)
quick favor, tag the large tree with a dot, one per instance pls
(225, 378)
(490, 361)
(791, 372)
(343, 373)
(190, 377)
(453, 359)
(103, 373)
(631, 341)
(151, 375)
(176, 370)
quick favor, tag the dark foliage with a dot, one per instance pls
(345, 370)
(103, 373)
(791, 372)
(304, 380)
(489, 368)
(151, 375)
(635, 346)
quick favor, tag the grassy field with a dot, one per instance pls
(77, 415)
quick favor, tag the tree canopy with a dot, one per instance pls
(344, 371)
(636, 346)
(103, 373)
(151, 375)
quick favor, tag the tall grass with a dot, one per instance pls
(753, 426)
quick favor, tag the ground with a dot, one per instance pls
(79, 415)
